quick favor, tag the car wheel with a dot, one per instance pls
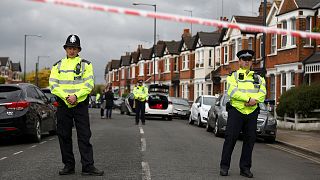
(190, 120)
(36, 131)
(121, 112)
(216, 129)
(169, 118)
(199, 123)
(208, 127)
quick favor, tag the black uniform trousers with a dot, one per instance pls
(65, 118)
(140, 110)
(235, 123)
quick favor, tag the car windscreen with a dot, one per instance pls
(9, 93)
(180, 101)
(209, 100)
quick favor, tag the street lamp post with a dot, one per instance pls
(25, 54)
(190, 11)
(37, 70)
(154, 37)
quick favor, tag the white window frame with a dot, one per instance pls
(225, 54)
(182, 90)
(141, 69)
(176, 64)
(293, 22)
(308, 29)
(133, 72)
(284, 37)
(292, 79)
(185, 61)
(209, 88)
(201, 64)
(239, 44)
(186, 91)
(122, 73)
(218, 57)
(233, 49)
(117, 75)
(211, 54)
(284, 81)
(273, 44)
(250, 43)
(167, 64)
(272, 87)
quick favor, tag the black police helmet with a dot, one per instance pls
(72, 41)
(245, 54)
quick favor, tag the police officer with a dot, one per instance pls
(140, 93)
(246, 89)
(71, 80)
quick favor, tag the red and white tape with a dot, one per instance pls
(184, 19)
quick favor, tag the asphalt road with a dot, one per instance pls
(159, 150)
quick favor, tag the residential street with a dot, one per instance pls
(158, 150)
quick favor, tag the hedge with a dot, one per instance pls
(302, 100)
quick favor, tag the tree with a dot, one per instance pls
(2, 80)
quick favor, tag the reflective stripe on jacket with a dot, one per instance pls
(240, 90)
(72, 76)
(140, 93)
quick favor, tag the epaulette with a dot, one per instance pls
(232, 72)
(85, 61)
(57, 62)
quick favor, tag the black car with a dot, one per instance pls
(218, 115)
(181, 107)
(25, 110)
(51, 97)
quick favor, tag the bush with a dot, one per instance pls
(302, 100)
(2, 80)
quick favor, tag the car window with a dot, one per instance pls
(209, 100)
(198, 99)
(263, 107)
(130, 96)
(31, 92)
(180, 101)
(42, 95)
(9, 93)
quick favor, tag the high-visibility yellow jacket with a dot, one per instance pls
(72, 76)
(140, 93)
(242, 86)
(97, 97)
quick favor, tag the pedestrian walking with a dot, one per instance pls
(109, 97)
(246, 89)
(72, 80)
(140, 93)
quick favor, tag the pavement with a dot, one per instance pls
(307, 141)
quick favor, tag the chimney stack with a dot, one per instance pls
(186, 33)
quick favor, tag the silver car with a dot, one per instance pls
(218, 115)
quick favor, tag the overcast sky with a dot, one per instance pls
(103, 36)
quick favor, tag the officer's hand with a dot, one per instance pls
(251, 102)
(72, 99)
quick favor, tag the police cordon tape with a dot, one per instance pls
(183, 19)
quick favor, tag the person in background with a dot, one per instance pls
(246, 90)
(140, 93)
(103, 104)
(72, 80)
(109, 97)
(98, 99)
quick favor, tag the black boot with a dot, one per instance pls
(223, 172)
(92, 172)
(246, 173)
(66, 170)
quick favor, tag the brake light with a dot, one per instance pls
(55, 104)
(20, 105)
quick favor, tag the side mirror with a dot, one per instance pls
(198, 105)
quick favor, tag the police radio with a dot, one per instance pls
(241, 76)
(78, 69)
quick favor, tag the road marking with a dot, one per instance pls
(316, 160)
(141, 130)
(143, 144)
(17, 152)
(3, 158)
(51, 139)
(43, 142)
(33, 146)
(146, 175)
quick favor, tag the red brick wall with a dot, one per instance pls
(288, 5)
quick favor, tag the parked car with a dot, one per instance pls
(181, 107)
(218, 115)
(158, 104)
(25, 110)
(199, 109)
(51, 97)
(117, 103)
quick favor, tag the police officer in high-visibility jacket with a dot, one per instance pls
(140, 93)
(71, 80)
(246, 89)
